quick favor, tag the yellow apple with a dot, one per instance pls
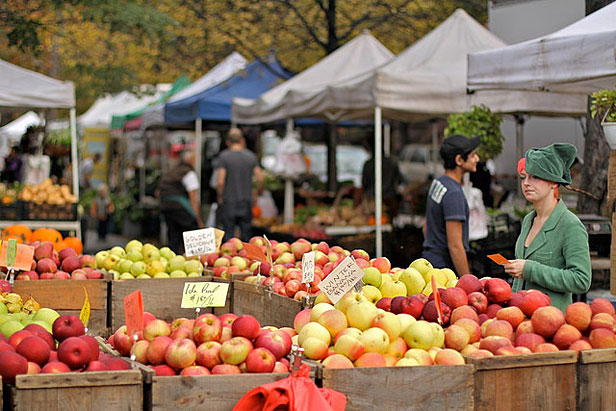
(349, 298)
(389, 323)
(349, 346)
(420, 334)
(421, 356)
(319, 309)
(407, 362)
(371, 293)
(314, 330)
(393, 289)
(374, 340)
(413, 280)
(361, 314)
(422, 265)
(372, 276)
(405, 321)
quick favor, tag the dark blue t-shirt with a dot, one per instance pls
(446, 202)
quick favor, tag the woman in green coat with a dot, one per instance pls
(551, 252)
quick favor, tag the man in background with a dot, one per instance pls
(236, 167)
(86, 168)
(178, 190)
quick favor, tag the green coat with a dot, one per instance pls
(558, 259)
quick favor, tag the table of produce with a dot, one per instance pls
(472, 344)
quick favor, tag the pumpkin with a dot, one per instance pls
(47, 234)
(19, 232)
(59, 246)
(74, 243)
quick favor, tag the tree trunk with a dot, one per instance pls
(332, 36)
(596, 152)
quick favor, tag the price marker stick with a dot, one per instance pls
(84, 314)
(268, 250)
(308, 267)
(437, 301)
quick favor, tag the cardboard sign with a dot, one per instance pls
(437, 301)
(219, 237)
(308, 267)
(197, 295)
(254, 252)
(19, 256)
(198, 242)
(341, 279)
(133, 312)
(498, 259)
(84, 314)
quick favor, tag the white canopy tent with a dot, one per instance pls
(20, 87)
(576, 59)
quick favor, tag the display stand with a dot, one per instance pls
(58, 225)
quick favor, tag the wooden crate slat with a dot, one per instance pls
(161, 297)
(266, 306)
(211, 392)
(595, 373)
(78, 379)
(519, 361)
(429, 388)
(228, 307)
(64, 294)
(598, 355)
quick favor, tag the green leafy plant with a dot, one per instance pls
(602, 102)
(480, 121)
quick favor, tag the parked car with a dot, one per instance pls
(416, 164)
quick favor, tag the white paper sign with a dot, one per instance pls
(197, 242)
(308, 267)
(341, 279)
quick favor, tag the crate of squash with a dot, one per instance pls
(48, 201)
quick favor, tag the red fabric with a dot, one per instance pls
(296, 392)
(521, 165)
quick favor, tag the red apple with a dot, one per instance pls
(34, 349)
(18, 336)
(455, 297)
(430, 313)
(163, 370)
(181, 353)
(469, 283)
(479, 301)
(384, 303)
(157, 349)
(497, 290)
(74, 352)
(246, 326)
(121, 341)
(115, 364)
(67, 326)
(226, 369)
(227, 319)
(54, 367)
(96, 366)
(195, 370)
(533, 300)
(235, 350)
(43, 250)
(260, 360)
(46, 265)
(11, 365)
(156, 328)
(93, 344)
(207, 327)
(208, 354)
(277, 342)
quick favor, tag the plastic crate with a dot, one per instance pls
(49, 212)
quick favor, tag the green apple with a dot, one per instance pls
(371, 293)
(100, 257)
(372, 276)
(151, 255)
(134, 245)
(161, 275)
(134, 256)
(124, 266)
(422, 265)
(193, 266)
(176, 263)
(419, 334)
(47, 315)
(9, 327)
(116, 274)
(119, 251)
(43, 324)
(178, 274)
(126, 276)
(413, 280)
(137, 268)
(3, 309)
(110, 262)
(393, 289)
(166, 253)
(143, 276)
(147, 247)
(193, 274)
(164, 262)
(439, 335)
(155, 267)
(5, 317)
(20, 316)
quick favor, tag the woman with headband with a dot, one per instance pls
(551, 252)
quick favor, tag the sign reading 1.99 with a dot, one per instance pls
(198, 242)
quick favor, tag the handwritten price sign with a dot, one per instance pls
(197, 295)
(341, 279)
(308, 267)
(197, 242)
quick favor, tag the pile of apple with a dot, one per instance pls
(49, 264)
(145, 261)
(228, 344)
(32, 349)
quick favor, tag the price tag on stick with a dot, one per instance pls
(437, 301)
(308, 267)
(254, 252)
(197, 295)
(84, 314)
(198, 242)
(133, 312)
(341, 279)
(17, 256)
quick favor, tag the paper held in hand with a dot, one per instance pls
(308, 267)
(202, 241)
(199, 295)
(341, 279)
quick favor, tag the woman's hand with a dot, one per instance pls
(515, 268)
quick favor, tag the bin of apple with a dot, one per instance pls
(145, 261)
(51, 343)
(228, 344)
(49, 264)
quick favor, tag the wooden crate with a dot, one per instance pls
(67, 297)
(443, 387)
(266, 306)
(228, 308)
(104, 390)
(161, 297)
(525, 382)
(207, 392)
(596, 372)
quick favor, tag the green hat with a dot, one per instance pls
(551, 163)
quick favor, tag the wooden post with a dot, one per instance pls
(611, 198)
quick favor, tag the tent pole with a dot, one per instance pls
(434, 148)
(378, 184)
(288, 185)
(198, 145)
(74, 156)
(387, 139)
(519, 145)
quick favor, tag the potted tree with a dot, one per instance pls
(479, 121)
(603, 103)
